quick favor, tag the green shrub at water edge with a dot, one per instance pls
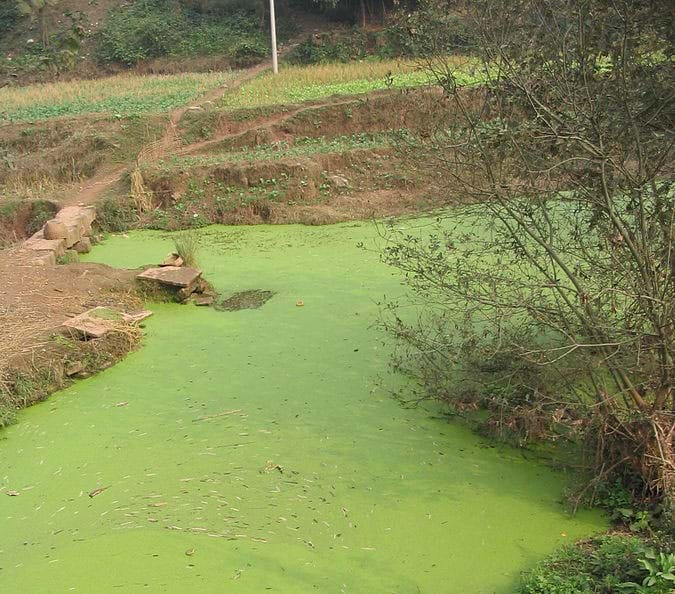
(607, 564)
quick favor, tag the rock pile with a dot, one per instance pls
(178, 282)
(69, 230)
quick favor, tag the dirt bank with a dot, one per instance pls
(35, 358)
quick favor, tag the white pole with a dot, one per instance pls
(273, 27)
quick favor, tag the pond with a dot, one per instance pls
(260, 450)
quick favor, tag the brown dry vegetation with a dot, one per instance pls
(34, 302)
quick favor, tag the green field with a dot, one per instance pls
(121, 95)
(295, 84)
(301, 147)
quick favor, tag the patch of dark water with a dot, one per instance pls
(253, 299)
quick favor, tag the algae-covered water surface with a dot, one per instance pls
(260, 451)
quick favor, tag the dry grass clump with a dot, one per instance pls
(141, 197)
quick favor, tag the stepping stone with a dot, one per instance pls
(174, 276)
(97, 322)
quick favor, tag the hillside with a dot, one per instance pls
(88, 38)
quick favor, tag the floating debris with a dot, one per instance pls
(98, 491)
(222, 414)
(245, 300)
(13, 493)
(270, 466)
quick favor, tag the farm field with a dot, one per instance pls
(116, 96)
(296, 84)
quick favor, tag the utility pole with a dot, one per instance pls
(273, 27)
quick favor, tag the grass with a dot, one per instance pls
(120, 95)
(295, 84)
(186, 245)
(302, 147)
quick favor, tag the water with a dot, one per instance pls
(315, 480)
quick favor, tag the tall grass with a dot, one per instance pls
(295, 84)
(186, 245)
(123, 94)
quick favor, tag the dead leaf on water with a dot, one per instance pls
(13, 493)
(122, 403)
(158, 504)
(98, 491)
(190, 552)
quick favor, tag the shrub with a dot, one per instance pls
(606, 564)
(392, 41)
(155, 28)
(41, 212)
(9, 15)
(115, 216)
(146, 29)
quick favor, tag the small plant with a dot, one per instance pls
(186, 245)
(70, 257)
(660, 568)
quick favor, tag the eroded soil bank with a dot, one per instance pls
(259, 450)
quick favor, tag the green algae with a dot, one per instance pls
(259, 450)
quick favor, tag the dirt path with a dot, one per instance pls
(89, 192)
(273, 120)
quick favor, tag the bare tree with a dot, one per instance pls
(566, 257)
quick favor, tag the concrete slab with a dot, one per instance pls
(174, 276)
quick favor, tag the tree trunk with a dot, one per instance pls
(42, 24)
(364, 18)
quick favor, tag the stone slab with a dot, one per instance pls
(97, 322)
(44, 259)
(56, 246)
(174, 276)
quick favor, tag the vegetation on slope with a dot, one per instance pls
(296, 84)
(121, 95)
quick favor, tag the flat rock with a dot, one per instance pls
(204, 300)
(83, 246)
(97, 322)
(55, 229)
(55, 246)
(172, 260)
(44, 259)
(174, 276)
(339, 181)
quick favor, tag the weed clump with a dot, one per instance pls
(186, 245)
